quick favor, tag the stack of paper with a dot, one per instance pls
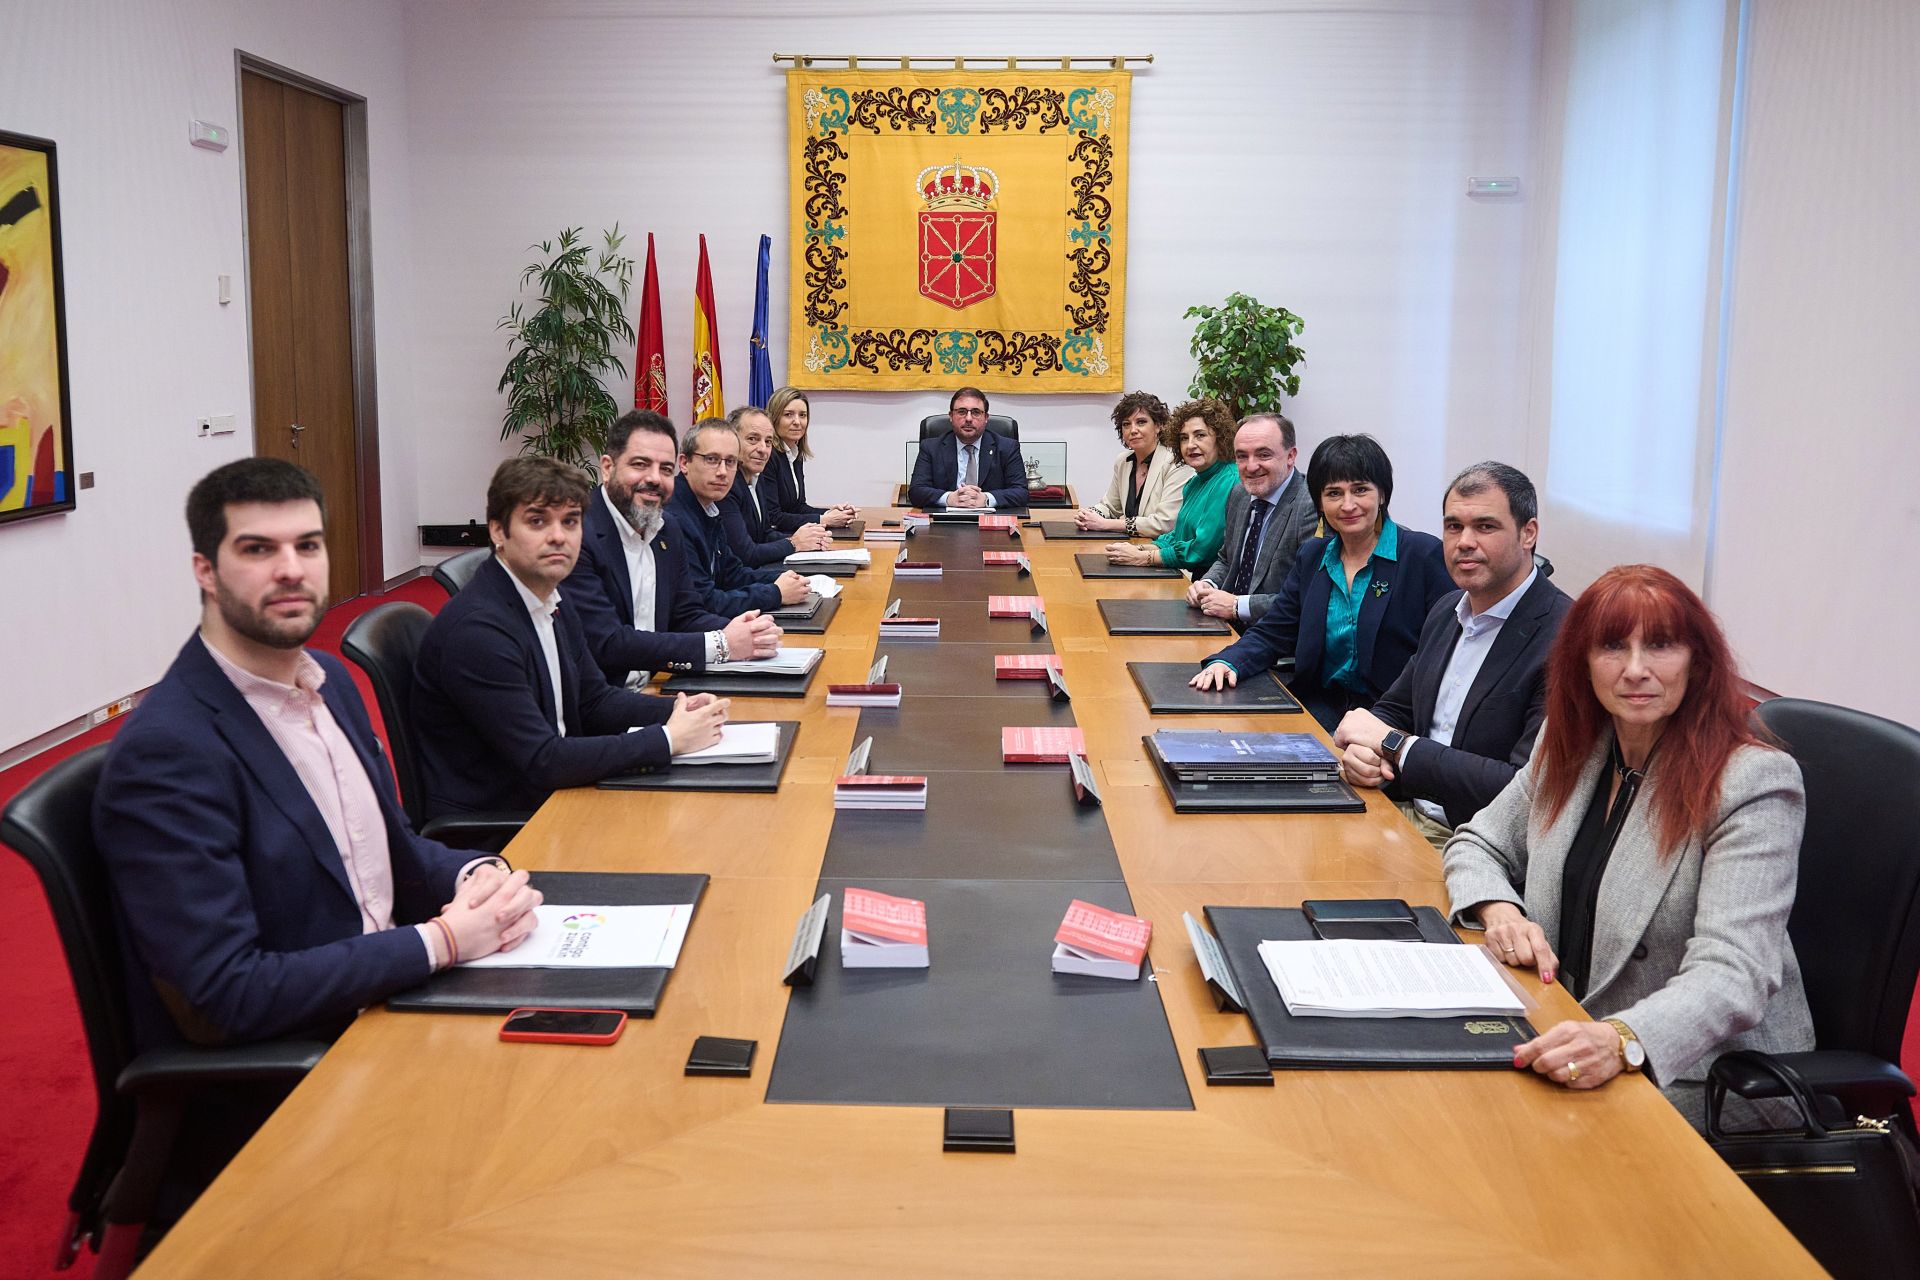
(1100, 943)
(739, 744)
(898, 628)
(916, 569)
(1024, 666)
(783, 662)
(915, 520)
(877, 534)
(880, 791)
(1346, 978)
(1041, 744)
(823, 586)
(832, 555)
(1011, 606)
(879, 931)
(863, 695)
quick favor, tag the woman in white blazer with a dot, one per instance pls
(1657, 837)
(1148, 481)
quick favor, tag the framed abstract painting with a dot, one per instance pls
(36, 424)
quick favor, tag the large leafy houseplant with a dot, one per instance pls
(561, 344)
(1245, 354)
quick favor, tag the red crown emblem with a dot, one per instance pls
(957, 186)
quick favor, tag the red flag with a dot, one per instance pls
(650, 360)
(708, 401)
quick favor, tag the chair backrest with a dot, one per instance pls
(934, 423)
(1856, 916)
(457, 570)
(50, 825)
(383, 642)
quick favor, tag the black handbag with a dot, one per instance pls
(1846, 1193)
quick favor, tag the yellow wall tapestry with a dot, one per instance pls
(957, 227)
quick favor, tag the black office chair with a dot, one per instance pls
(141, 1099)
(457, 570)
(934, 423)
(1856, 913)
(383, 642)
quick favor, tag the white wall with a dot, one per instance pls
(1312, 154)
(1819, 492)
(99, 600)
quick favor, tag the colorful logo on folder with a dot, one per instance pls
(583, 920)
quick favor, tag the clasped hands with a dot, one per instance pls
(838, 516)
(967, 495)
(1357, 739)
(492, 910)
(812, 537)
(752, 633)
(1091, 521)
(1212, 601)
(1579, 1055)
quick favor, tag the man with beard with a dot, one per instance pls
(1461, 719)
(267, 881)
(630, 589)
(709, 460)
(748, 512)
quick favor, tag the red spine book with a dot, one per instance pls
(1104, 932)
(1024, 666)
(1040, 744)
(1011, 606)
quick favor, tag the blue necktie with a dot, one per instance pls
(1243, 572)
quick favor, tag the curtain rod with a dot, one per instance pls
(905, 61)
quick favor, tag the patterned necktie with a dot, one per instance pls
(973, 471)
(1250, 550)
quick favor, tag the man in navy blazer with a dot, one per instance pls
(624, 537)
(508, 704)
(263, 872)
(750, 508)
(709, 460)
(968, 466)
(1461, 719)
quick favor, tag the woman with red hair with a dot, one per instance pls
(1656, 837)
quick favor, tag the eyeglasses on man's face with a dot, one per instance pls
(718, 461)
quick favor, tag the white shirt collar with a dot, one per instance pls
(540, 610)
(1472, 623)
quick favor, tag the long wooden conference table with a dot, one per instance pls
(424, 1146)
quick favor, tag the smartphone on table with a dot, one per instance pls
(564, 1026)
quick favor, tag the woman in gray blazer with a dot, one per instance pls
(1148, 481)
(1655, 840)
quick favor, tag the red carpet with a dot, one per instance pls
(46, 1104)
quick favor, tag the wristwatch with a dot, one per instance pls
(1633, 1054)
(1391, 744)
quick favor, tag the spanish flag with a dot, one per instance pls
(708, 400)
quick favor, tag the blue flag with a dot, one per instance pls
(759, 366)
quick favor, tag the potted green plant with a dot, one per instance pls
(561, 344)
(1245, 353)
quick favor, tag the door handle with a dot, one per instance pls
(293, 434)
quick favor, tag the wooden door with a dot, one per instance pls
(303, 390)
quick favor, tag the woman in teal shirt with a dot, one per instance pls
(1201, 432)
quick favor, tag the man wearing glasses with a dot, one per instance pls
(968, 466)
(709, 459)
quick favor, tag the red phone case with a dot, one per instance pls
(560, 1037)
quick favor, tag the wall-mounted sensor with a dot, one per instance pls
(1493, 186)
(212, 137)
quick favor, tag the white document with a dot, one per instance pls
(757, 743)
(1346, 978)
(866, 951)
(1068, 959)
(783, 662)
(823, 586)
(597, 938)
(835, 555)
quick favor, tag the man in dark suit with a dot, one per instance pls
(968, 466)
(268, 884)
(630, 588)
(508, 703)
(749, 512)
(709, 460)
(1461, 719)
(1269, 514)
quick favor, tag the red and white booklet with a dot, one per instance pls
(880, 931)
(1011, 606)
(1010, 525)
(1100, 943)
(1014, 558)
(1024, 666)
(863, 695)
(1041, 744)
(880, 791)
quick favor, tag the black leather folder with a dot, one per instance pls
(971, 515)
(1094, 564)
(713, 777)
(1165, 688)
(1255, 797)
(637, 991)
(1067, 531)
(1158, 618)
(734, 684)
(814, 626)
(831, 570)
(853, 531)
(1403, 1043)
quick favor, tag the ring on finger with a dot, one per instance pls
(1573, 1071)
(1508, 950)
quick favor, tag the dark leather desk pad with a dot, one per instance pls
(966, 620)
(988, 1023)
(814, 626)
(1255, 797)
(637, 991)
(1064, 531)
(1094, 564)
(831, 570)
(1158, 618)
(962, 579)
(714, 777)
(853, 531)
(958, 671)
(959, 734)
(731, 684)
(1353, 1042)
(1164, 687)
(1026, 827)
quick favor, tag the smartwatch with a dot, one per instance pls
(1390, 746)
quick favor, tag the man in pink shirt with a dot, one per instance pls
(267, 882)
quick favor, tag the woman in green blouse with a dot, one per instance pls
(1201, 432)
